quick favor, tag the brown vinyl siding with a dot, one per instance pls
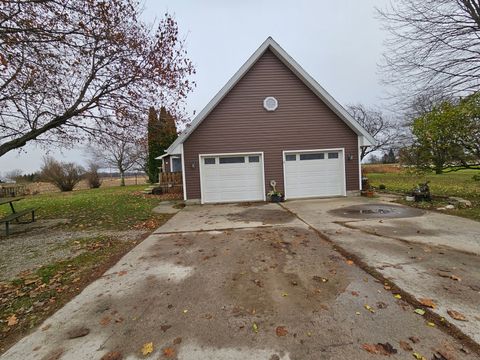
(239, 123)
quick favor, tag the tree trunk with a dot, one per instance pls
(122, 178)
(438, 170)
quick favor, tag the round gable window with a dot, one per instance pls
(270, 103)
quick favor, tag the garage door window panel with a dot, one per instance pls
(333, 155)
(232, 160)
(254, 159)
(290, 157)
(314, 156)
(210, 161)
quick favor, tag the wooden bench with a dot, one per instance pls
(14, 216)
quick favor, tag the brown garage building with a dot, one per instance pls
(271, 121)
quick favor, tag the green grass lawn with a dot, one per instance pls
(458, 183)
(117, 208)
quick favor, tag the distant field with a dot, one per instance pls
(459, 183)
(43, 187)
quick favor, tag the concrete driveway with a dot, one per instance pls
(241, 282)
(428, 255)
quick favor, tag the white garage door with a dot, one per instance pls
(314, 174)
(230, 178)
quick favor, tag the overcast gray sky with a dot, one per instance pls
(338, 42)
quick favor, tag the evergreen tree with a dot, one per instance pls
(162, 132)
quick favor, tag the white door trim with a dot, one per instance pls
(184, 175)
(342, 150)
(359, 149)
(231, 154)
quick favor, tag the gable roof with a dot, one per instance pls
(287, 60)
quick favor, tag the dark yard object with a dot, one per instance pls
(15, 215)
(276, 198)
(422, 192)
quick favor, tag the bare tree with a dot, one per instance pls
(92, 175)
(61, 174)
(433, 44)
(65, 64)
(14, 175)
(120, 151)
(383, 130)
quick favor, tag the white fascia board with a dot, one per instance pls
(162, 156)
(177, 150)
(297, 70)
(363, 141)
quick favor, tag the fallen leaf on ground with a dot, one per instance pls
(349, 262)
(414, 339)
(165, 327)
(168, 352)
(112, 355)
(284, 294)
(355, 293)
(105, 320)
(397, 296)
(419, 311)
(382, 349)
(12, 320)
(427, 302)
(457, 315)
(456, 278)
(405, 345)
(78, 332)
(123, 272)
(418, 356)
(371, 348)
(281, 331)
(381, 305)
(255, 327)
(147, 348)
(369, 308)
(431, 324)
(177, 341)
